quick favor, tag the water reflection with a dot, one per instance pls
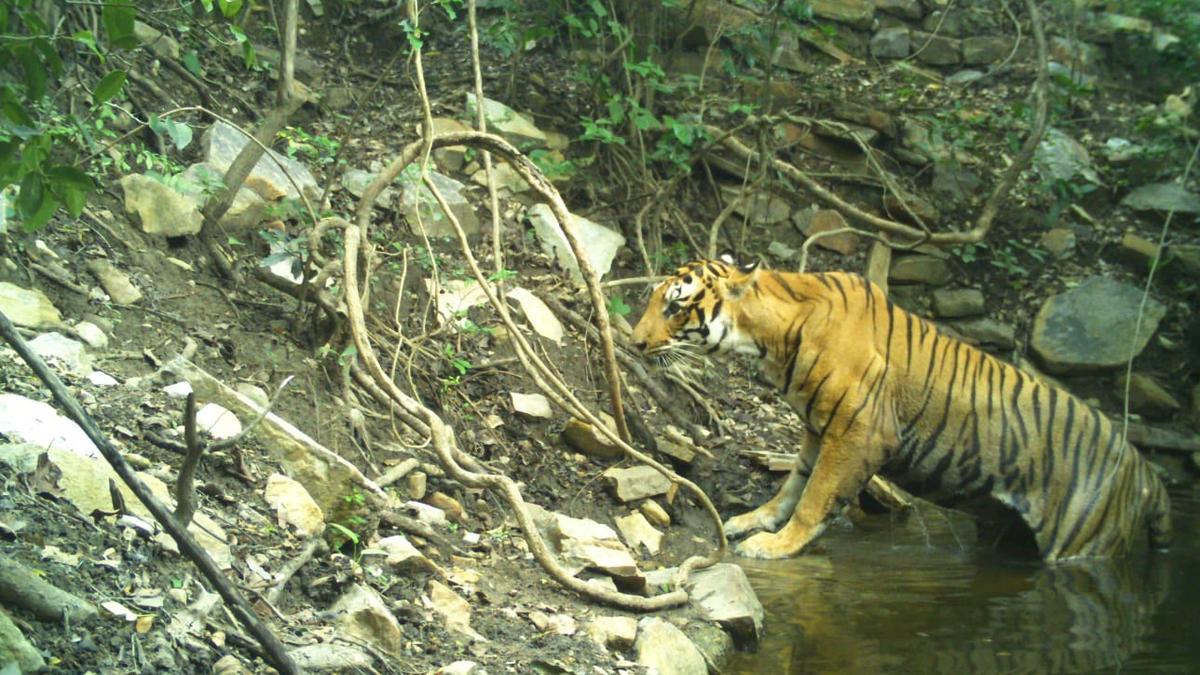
(919, 595)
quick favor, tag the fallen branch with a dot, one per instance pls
(273, 649)
(311, 548)
(19, 587)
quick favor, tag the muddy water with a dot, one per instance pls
(919, 595)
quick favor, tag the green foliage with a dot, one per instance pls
(617, 306)
(1175, 65)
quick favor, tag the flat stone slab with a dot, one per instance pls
(1091, 327)
(1162, 197)
(636, 482)
(722, 593)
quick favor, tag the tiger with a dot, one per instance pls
(882, 391)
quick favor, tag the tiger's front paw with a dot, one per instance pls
(739, 526)
(767, 546)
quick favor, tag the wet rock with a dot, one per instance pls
(856, 13)
(91, 334)
(638, 532)
(163, 46)
(655, 513)
(828, 220)
(222, 143)
(636, 482)
(722, 593)
(941, 51)
(666, 650)
(356, 182)
(422, 210)
(1168, 196)
(539, 315)
(583, 437)
(160, 209)
(715, 645)
(16, 650)
(364, 614)
(905, 9)
(217, 421)
(63, 353)
(1058, 242)
(598, 242)
(536, 406)
(294, 506)
(958, 302)
(985, 49)
(613, 632)
(28, 308)
(1061, 158)
(891, 43)
(1138, 251)
(1149, 398)
(1091, 327)
(452, 508)
(506, 122)
(987, 332)
(455, 612)
(920, 269)
(115, 282)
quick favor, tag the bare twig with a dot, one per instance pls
(294, 565)
(185, 502)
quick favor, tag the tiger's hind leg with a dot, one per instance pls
(773, 513)
(844, 466)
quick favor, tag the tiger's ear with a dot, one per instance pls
(750, 266)
(744, 280)
(727, 258)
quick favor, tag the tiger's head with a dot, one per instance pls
(692, 310)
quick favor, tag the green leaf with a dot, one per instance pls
(191, 61)
(69, 176)
(10, 104)
(616, 305)
(230, 8)
(180, 133)
(32, 195)
(87, 39)
(118, 19)
(49, 56)
(207, 4)
(75, 200)
(109, 86)
(40, 217)
(35, 73)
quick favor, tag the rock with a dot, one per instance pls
(419, 205)
(985, 49)
(613, 632)
(953, 183)
(920, 269)
(91, 334)
(1061, 158)
(891, 43)
(402, 555)
(24, 420)
(339, 98)
(1091, 327)
(160, 209)
(917, 137)
(508, 181)
(987, 332)
(455, 612)
(101, 379)
(715, 645)
(1149, 398)
(600, 243)
(508, 123)
(1108, 23)
(857, 13)
(28, 308)
(531, 405)
(1168, 196)
(16, 650)
(217, 421)
(763, 208)
(896, 208)
(356, 182)
(461, 668)
(608, 556)
(684, 452)
(294, 506)
(540, 317)
(329, 656)
(163, 46)
(905, 9)
(254, 393)
(781, 250)
(958, 302)
(222, 143)
(828, 220)
(1059, 242)
(964, 77)
(664, 649)
(450, 158)
(655, 513)
(941, 51)
(1119, 150)
(416, 485)
(430, 515)
(364, 614)
(866, 116)
(201, 181)
(1138, 251)
(452, 508)
(722, 593)
(115, 282)
(454, 297)
(636, 482)
(638, 531)
(558, 624)
(583, 437)
(65, 354)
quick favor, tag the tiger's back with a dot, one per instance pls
(883, 391)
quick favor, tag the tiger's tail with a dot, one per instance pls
(1158, 512)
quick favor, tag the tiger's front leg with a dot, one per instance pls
(771, 514)
(843, 467)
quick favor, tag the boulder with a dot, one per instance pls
(920, 269)
(583, 437)
(356, 182)
(363, 614)
(940, 50)
(1149, 398)
(269, 178)
(1169, 196)
(722, 593)
(421, 208)
(506, 122)
(1062, 158)
(159, 208)
(987, 332)
(598, 242)
(714, 644)
(762, 208)
(905, 9)
(613, 632)
(638, 532)
(294, 506)
(857, 13)
(16, 651)
(1091, 327)
(63, 353)
(665, 649)
(828, 220)
(893, 42)
(114, 282)
(28, 308)
(958, 302)
(201, 181)
(985, 49)
(636, 482)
